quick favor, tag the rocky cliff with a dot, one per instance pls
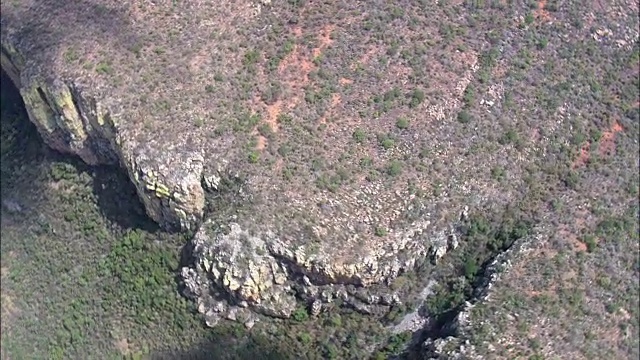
(262, 135)
(72, 118)
(455, 335)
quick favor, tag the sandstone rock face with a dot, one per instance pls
(238, 93)
(78, 115)
(262, 272)
(71, 119)
(243, 265)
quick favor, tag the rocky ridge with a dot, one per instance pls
(453, 341)
(277, 240)
(255, 269)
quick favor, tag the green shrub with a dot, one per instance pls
(402, 123)
(590, 242)
(253, 156)
(359, 135)
(380, 231)
(417, 97)
(387, 143)
(330, 351)
(305, 338)
(394, 168)
(300, 315)
(251, 57)
(464, 117)
(470, 268)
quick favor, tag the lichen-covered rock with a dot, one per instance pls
(316, 308)
(72, 118)
(240, 263)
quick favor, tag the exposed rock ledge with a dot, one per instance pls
(71, 119)
(457, 344)
(91, 93)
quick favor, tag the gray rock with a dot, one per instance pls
(316, 308)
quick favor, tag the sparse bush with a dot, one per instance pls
(380, 231)
(300, 315)
(359, 135)
(402, 123)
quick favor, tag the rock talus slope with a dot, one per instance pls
(247, 125)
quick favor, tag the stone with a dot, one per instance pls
(250, 324)
(316, 308)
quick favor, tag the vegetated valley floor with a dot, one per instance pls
(86, 275)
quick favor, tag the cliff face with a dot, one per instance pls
(257, 270)
(308, 181)
(72, 120)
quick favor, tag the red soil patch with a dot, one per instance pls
(606, 147)
(583, 156)
(345, 81)
(541, 13)
(262, 143)
(294, 70)
(607, 142)
(279, 165)
(198, 61)
(364, 59)
(123, 346)
(401, 72)
(336, 99)
(534, 135)
(500, 71)
(325, 40)
(296, 67)
(579, 245)
(273, 111)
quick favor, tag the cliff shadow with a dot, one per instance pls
(225, 345)
(27, 164)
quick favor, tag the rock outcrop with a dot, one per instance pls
(460, 329)
(189, 104)
(262, 272)
(71, 119)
